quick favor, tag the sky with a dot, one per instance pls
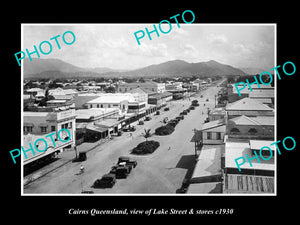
(115, 46)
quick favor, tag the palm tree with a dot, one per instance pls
(147, 134)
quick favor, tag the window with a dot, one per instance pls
(252, 131)
(52, 128)
(101, 106)
(27, 129)
(208, 135)
(235, 130)
(43, 129)
(218, 135)
(97, 105)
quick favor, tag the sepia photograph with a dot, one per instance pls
(175, 109)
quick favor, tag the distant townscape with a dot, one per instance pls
(170, 128)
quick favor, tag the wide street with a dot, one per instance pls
(160, 172)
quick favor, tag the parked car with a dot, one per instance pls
(173, 123)
(183, 113)
(141, 122)
(166, 109)
(121, 170)
(127, 160)
(181, 117)
(107, 180)
(129, 128)
(192, 107)
(148, 118)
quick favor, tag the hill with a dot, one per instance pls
(53, 68)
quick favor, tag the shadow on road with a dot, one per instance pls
(186, 162)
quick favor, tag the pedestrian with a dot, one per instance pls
(131, 135)
(81, 169)
(169, 148)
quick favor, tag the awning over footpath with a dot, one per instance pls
(96, 128)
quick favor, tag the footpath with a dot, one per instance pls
(64, 158)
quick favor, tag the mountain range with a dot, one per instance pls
(56, 68)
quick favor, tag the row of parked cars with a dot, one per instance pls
(121, 170)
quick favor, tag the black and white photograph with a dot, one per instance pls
(159, 116)
(153, 112)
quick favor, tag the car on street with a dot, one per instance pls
(148, 118)
(106, 181)
(141, 122)
(173, 123)
(121, 170)
(129, 129)
(181, 117)
(157, 113)
(127, 160)
(166, 109)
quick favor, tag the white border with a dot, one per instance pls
(158, 194)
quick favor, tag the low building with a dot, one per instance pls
(81, 99)
(212, 132)
(237, 149)
(110, 101)
(233, 95)
(216, 114)
(32, 158)
(149, 85)
(206, 177)
(160, 99)
(135, 103)
(248, 107)
(265, 96)
(243, 127)
(33, 91)
(41, 123)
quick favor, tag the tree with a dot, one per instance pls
(147, 134)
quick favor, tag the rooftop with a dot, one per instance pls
(235, 183)
(258, 144)
(113, 98)
(248, 104)
(234, 150)
(94, 112)
(212, 124)
(258, 120)
(262, 93)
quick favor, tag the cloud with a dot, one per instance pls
(217, 39)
